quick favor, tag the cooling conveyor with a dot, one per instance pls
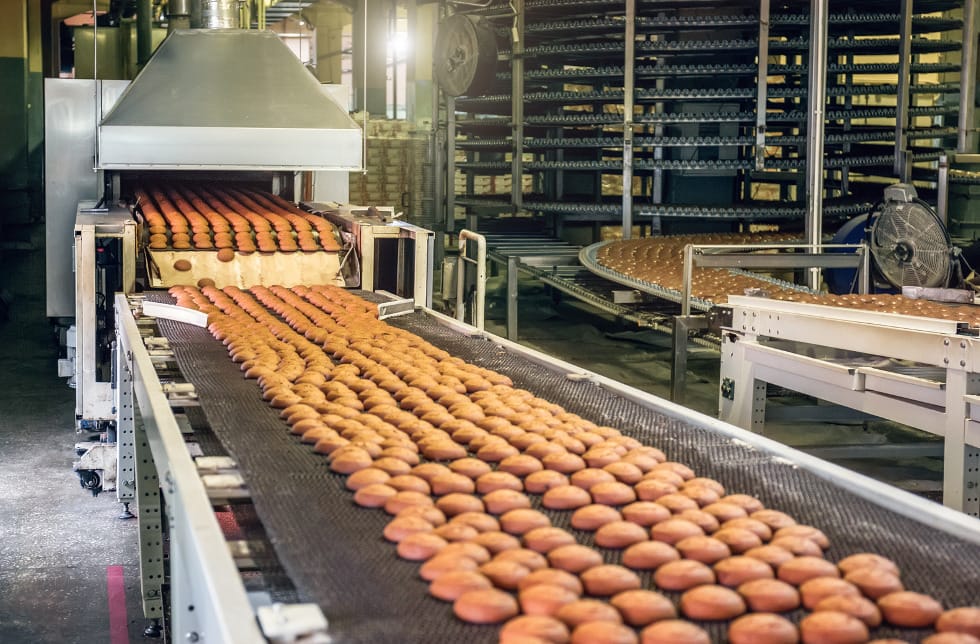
(333, 552)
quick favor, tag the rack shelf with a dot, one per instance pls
(698, 147)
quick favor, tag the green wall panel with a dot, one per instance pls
(13, 124)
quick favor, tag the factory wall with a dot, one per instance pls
(21, 150)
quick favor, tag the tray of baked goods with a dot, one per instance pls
(425, 484)
(228, 236)
(655, 265)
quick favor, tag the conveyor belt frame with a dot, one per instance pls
(755, 352)
(208, 601)
(198, 552)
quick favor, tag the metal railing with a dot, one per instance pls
(737, 256)
(480, 297)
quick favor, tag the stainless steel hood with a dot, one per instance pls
(229, 100)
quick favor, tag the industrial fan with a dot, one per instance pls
(465, 56)
(908, 242)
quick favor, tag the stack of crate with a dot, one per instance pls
(393, 171)
(491, 185)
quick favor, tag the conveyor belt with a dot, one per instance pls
(591, 210)
(853, 136)
(335, 555)
(692, 94)
(611, 71)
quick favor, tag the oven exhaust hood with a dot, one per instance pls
(227, 99)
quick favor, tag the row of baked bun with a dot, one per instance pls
(185, 216)
(659, 260)
(460, 458)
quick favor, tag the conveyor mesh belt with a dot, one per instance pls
(336, 556)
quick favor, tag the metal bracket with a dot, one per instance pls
(395, 307)
(214, 464)
(628, 297)
(956, 353)
(241, 552)
(184, 423)
(180, 394)
(283, 623)
(156, 342)
(728, 388)
(719, 317)
(222, 481)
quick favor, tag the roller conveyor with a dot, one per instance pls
(501, 9)
(335, 557)
(641, 71)
(864, 134)
(665, 71)
(711, 94)
(612, 211)
(710, 47)
(869, 68)
(643, 22)
(866, 90)
(859, 113)
(964, 177)
(613, 96)
(699, 117)
(638, 142)
(589, 257)
(611, 165)
(877, 22)
(868, 46)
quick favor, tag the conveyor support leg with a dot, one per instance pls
(683, 324)
(125, 435)
(742, 398)
(512, 298)
(151, 528)
(960, 462)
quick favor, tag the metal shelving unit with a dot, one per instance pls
(660, 110)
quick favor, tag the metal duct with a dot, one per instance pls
(227, 99)
(220, 14)
(178, 15)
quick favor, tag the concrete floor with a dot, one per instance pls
(59, 546)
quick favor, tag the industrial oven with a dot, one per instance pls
(212, 108)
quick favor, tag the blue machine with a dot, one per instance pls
(909, 245)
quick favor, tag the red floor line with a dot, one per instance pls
(118, 620)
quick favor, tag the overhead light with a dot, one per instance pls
(400, 43)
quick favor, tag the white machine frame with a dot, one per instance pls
(364, 226)
(762, 345)
(93, 398)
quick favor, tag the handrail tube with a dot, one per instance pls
(479, 303)
(860, 261)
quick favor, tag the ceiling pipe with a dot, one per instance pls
(220, 14)
(144, 31)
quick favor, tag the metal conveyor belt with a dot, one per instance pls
(335, 555)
